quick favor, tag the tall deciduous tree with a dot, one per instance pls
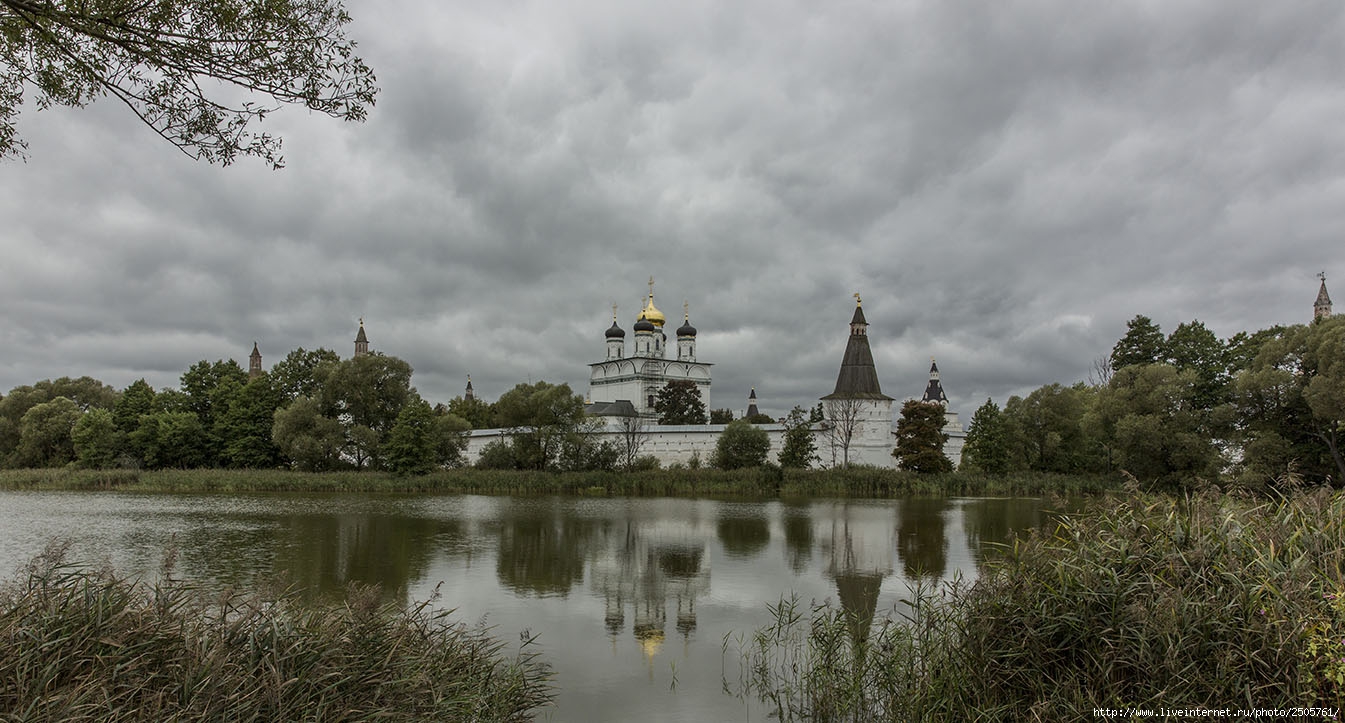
(45, 434)
(541, 416)
(920, 438)
(244, 430)
(1193, 347)
(742, 444)
(136, 400)
(679, 402)
(98, 441)
(365, 394)
(178, 64)
(987, 447)
(294, 376)
(799, 450)
(1143, 343)
(311, 441)
(1291, 404)
(1045, 429)
(1150, 420)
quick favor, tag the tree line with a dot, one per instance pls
(314, 411)
(1254, 409)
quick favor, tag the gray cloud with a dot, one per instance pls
(1006, 185)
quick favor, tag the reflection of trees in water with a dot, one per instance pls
(990, 523)
(319, 554)
(543, 553)
(744, 536)
(798, 526)
(921, 540)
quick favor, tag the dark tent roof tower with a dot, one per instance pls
(934, 391)
(858, 379)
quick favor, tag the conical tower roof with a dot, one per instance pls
(360, 338)
(934, 390)
(858, 378)
(1323, 298)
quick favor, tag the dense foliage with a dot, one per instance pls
(741, 445)
(1210, 600)
(920, 438)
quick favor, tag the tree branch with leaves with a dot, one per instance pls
(199, 73)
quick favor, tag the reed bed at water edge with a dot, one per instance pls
(752, 482)
(85, 645)
(1142, 601)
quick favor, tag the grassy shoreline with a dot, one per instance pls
(83, 644)
(1208, 600)
(763, 482)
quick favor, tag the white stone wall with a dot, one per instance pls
(871, 444)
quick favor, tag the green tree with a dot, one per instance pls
(1291, 404)
(721, 416)
(45, 434)
(1150, 421)
(311, 441)
(1046, 429)
(365, 394)
(817, 414)
(478, 413)
(742, 444)
(987, 447)
(163, 59)
(540, 417)
(411, 447)
(679, 402)
(97, 439)
(86, 392)
(244, 431)
(136, 400)
(1192, 347)
(294, 376)
(799, 449)
(1143, 343)
(175, 440)
(210, 389)
(920, 438)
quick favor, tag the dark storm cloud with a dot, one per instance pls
(1005, 184)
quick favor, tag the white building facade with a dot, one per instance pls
(638, 377)
(857, 428)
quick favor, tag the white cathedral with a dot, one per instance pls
(859, 423)
(638, 377)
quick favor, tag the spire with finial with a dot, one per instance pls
(752, 410)
(254, 362)
(361, 341)
(469, 395)
(934, 390)
(858, 379)
(1322, 308)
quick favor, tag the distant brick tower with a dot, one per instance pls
(361, 341)
(469, 395)
(254, 362)
(1322, 308)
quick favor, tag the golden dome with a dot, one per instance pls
(652, 313)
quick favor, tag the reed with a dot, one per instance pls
(85, 645)
(762, 482)
(1141, 601)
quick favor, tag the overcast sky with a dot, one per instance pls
(1005, 183)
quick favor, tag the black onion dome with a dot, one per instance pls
(615, 332)
(644, 324)
(686, 329)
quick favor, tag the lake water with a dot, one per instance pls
(630, 599)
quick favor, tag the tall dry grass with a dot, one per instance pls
(82, 644)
